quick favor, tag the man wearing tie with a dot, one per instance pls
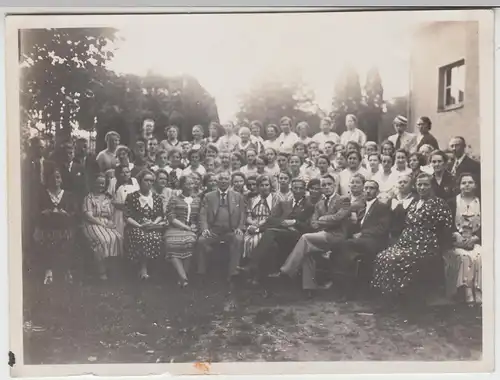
(370, 234)
(330, 220)
(290, 220)
(403, 139)
(462, 163)
(222, 218)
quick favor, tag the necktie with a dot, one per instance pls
(327, 200)
(398, 143)
(455, 166)
(222, 199)
(38, 169)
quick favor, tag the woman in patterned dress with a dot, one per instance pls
(427, 232)
(144, 218)
(180, 238)
(463, 261)
(258, 211)
(55, 225)
(125, 185)
(99, 227)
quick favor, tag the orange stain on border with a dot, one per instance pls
(203, 367)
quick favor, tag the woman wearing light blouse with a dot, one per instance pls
(353, 133)
(287, 138)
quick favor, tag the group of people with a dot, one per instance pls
(279, 205)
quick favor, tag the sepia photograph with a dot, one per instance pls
(197, 193)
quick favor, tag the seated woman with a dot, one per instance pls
(284, 181)
(258, 211)
(99, 227)
(195, 166)
(238, 182)
(161, 188)
(251, 189)
(426, 234)
(174, 169)
(209, 184)
(55, 225)
(125, 184)
(400, 202)
(353, 167)
(443, 182)
(144, 219)
(251, 158)
(180, 238)
(463, 261)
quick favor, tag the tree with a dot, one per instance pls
(269, 100)
(347, 97)
(372, 108)
(61, 69)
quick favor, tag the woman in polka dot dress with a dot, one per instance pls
(145, 225)
(427, 232)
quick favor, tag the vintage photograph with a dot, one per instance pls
(208, 189)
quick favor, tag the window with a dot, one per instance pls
(451, 86)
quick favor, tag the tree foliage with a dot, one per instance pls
(347, 97)
(372, 108)
(65, 83)
(61, 69)
(269, 100)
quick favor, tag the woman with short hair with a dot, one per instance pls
(272, 134)
(99, 226)
(172, 140)
(424, 126)
(180, 238)
(144, 219)
(353, 167)
(353, 133)
(443, 182)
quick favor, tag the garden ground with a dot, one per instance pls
(128, 321)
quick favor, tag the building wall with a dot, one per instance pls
(436, 45)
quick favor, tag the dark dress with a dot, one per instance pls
(427, 232)
(54, 232)
(142, 243)
(398, 218)
(446, 189)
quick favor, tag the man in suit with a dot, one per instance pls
(462, 163)
(290, 219)
(370, 232)
(84, 158)
(74, 177)
(403, 139)
(329, 219)
(222, 218)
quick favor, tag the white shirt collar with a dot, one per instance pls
(370, 203)
(146, 200)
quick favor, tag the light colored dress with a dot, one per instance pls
(286, 142)
(322, 138)
(120, 197)
(345, 178)
(189, 170)
(463, 267)
(104, 241)
(356, 135)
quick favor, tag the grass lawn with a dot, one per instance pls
(128, 321)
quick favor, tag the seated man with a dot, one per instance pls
(330, 220)
(282, 231)
(222, 218)
(370, 233)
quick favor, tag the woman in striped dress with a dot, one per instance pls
(258, 211)
(99, 227)
(180, 238)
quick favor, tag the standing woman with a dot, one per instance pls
(174, 169)
(195, 165)
(245, 143)
(387, 148)
(99, 227)
(55, 225)
(272, 133)
(427, 232)
(251, 158)
(126, 185)
(258, 211)
(415, 162)
(197, 133)
(353, 167)
(144, 218)
(229, 140)
(400, 202)
(303, 132)
(106, 159)
(180, 238)
(287, 138)
(272, 167)
(284, 180)
(172, 140)
(214, 133)
(463, 261)
(256, 130)
(353, 133)
(236, 162)
(424, 136)
(123, 156)
(443, 182)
